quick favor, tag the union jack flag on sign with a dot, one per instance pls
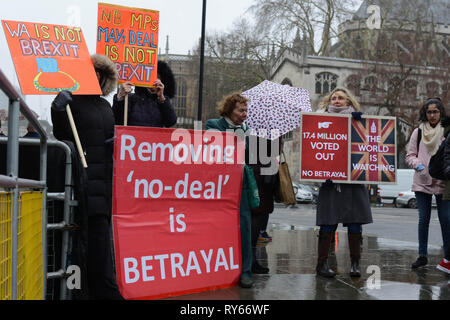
(373, 150)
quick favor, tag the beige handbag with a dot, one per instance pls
(286, 191)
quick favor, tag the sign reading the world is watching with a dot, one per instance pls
(345, 150)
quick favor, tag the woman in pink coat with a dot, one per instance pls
(424, 143)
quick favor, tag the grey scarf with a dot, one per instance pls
(341, 110)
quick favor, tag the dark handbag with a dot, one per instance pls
(436, 166)
(286, 193)
(252, 194)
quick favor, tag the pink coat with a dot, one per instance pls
(422, 180)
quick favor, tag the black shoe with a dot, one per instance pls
(354, 269)
(420, 262)
(245, 283)
(259, 269)
(323, 270)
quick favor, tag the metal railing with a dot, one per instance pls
(13, 183)
(65, 225)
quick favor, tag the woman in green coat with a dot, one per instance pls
(233, 112)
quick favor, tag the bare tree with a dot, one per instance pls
(318, 20)
(234, 61)
(404, 62)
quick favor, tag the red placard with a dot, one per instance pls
(324, 147)
(176, 211)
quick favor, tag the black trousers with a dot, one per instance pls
(259, 222)
(100, 268)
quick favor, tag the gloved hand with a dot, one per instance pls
(356, 115)
(62, 100)
(328, 182)
(420, 167)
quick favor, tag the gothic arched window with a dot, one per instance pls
(181, 98)
(411, 88)
(325, 82)
(286, 81)
(432, 89)
(354, 83)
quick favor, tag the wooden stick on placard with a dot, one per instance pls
(125, 112)
(75, 134)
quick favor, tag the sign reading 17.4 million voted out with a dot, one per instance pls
(345, 150)
(176, 211)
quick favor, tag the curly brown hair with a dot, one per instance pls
(228, 103)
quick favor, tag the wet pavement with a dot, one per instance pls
(385, 271)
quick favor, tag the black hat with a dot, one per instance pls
(167, 78)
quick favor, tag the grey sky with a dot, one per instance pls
(179, 19)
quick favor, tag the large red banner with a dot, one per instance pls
(176, 211)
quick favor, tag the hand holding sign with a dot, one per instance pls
(62, 100)
(125, 89)
(159, 90)
(61, 103)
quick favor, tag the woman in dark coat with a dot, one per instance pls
(94, 120)
(148, 107)
(266, 176)
(233, 111)
(341, 203)
(444, 264)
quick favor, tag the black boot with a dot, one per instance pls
(354, 269)
(259, 269)
(324, 270)
(354, 245)
(420, 262)
(322, 267)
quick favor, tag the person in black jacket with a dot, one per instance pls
(94, 119)
(444, 264)
(148, 107)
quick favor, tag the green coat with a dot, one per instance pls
(221, 124)
(245, 214)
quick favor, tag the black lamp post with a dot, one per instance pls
(202, 57)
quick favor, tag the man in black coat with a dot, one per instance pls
(94, 119)
(148, 107)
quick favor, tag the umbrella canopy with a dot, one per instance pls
(274, 109)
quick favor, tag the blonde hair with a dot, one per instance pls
(351, 100)
(228, 103)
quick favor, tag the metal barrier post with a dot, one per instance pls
(43, 177)
(12, 170)
(12, 180)
(68, 197)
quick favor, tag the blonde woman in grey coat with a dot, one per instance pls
(341, 203)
